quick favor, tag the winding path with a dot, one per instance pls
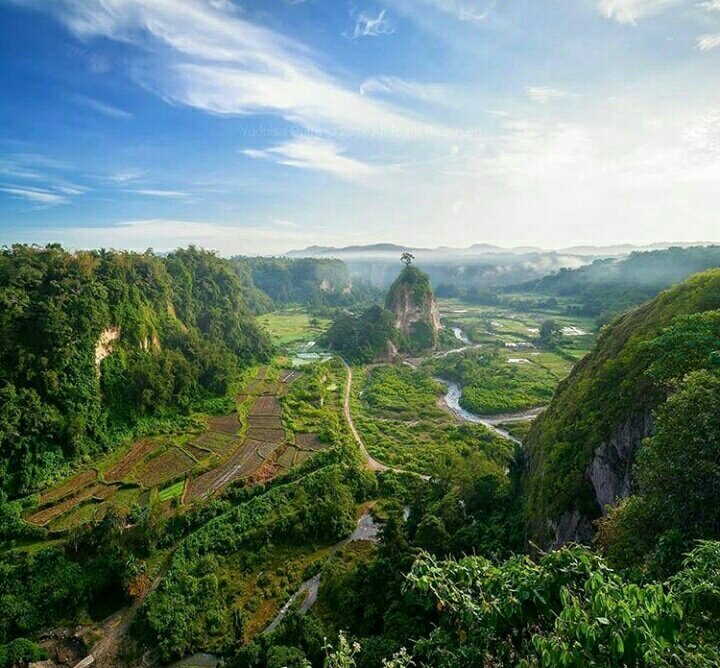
(372, 463)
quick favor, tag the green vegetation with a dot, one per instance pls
(177, 328)
(364, 338)
(244, 482)
(567, 609)
(493, 385)
(292, 326)
(608, 287)
(396, 412)
(315, 283)
(639, 360)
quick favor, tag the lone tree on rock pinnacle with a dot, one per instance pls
(407, 258)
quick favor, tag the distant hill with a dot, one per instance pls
(617, 250)
(608, 286)
(481, 265)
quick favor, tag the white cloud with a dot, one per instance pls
(103, 108)
(35, 195)
(710, 5)
(317, 155)
(369, 26)
(631, 11)
(463, 10)
(543, 94)
(708, 42)
(167, 194)
(125, 175)
(211, 58)
(435, 93)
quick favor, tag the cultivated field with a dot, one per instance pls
(251, 445)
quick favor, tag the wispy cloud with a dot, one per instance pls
(317, 155)
(166, 194)
(371, 26)
(543, 94)
(708, 42)
(125, 175)
(38, 178)
(35, 195)
(103, 108)
(392, 86)
(210, 57)
(631, 11)
(710, 5)
(463, 10)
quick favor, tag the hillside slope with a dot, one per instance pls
(580, 452)
(93, 342)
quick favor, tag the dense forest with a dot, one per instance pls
(607, 287)
(316, 283)
(177, 325)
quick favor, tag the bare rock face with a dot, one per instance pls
(610, 474)
(103, 347)
(390, 354)
(571, 527)
(610, 469)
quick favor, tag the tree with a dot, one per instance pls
(407, 258)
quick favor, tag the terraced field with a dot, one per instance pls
(185, 468)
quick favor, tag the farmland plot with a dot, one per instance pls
(309, 442)
(262, 434)
(99, 491)
(169, 465)
(243, 462)
(265, 406)
(216, 442)
(226, 424)
(124, 467)
(69, 487)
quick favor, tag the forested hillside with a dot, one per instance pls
(607, 287)
(94, 343)
(637, 382)
(309, 281)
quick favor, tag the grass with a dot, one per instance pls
(503, 386)
(292, 326)
(432, 442)
(173, 492)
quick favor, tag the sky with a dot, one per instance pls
(260, 126)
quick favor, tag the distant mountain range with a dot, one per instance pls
(382, 249)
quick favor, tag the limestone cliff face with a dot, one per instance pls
(413, 304)
(610, 476)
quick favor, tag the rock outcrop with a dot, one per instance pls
(610, 470)
(413, 305)
(610, 475)
(103, 348)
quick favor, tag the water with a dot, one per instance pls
(452, 401)
(460, 335)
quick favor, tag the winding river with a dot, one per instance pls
(451, 400)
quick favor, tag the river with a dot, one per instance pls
(452, 400)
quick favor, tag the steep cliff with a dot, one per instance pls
(581, 451)
(413, 304)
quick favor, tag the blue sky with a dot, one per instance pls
(257, 126)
